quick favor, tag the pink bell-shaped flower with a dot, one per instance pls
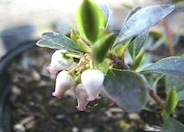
(92, 81)
(81, 98)
(64, 81)
(60, 62)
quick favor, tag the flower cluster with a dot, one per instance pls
(87, 83)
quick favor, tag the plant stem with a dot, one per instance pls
(91, 64)
(81, 63)
(73, 55)
(120, 63)
(156, 97)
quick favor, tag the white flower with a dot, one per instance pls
(64, 81)
(60, 62)
(92, 81)
(81, 98)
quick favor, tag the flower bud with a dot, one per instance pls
(64, 81)
(60, 62)
(93, 83)
(81, 98)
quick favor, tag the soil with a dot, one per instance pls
(35, 110)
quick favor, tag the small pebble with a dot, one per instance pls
(19, 128)
(75, 129)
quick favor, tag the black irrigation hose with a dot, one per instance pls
(5, 81)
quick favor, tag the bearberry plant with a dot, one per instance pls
(94, 61)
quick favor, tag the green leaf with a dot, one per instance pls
(127, 89)
(119, 50)
(105, 65)
(74, 36)
(171, 101)
(57, 41)
(173, 66)
(101, 47)
(90, 20)
(172, 125)
(83, 46)
(137, 61)
(137, 44)
(142, 20)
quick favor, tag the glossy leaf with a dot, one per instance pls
(101, 47)
(142, 20)
(90, 20)
(133, 11)
(127, 89)
(173, 66)
(172, 125)
(171, 101)
(49, 35)
(57, 41)
(137, 44)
